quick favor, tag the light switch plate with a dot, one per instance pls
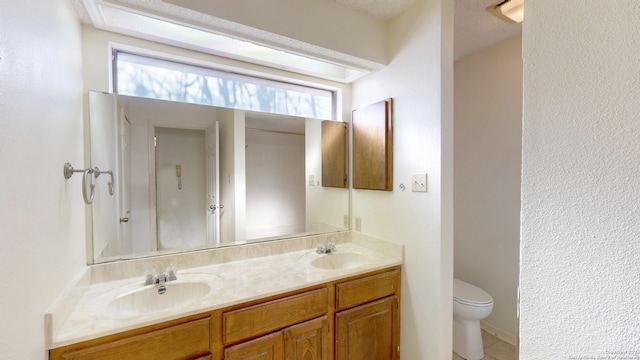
(419, 182)
(312, 180)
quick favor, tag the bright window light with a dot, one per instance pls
(148, 77)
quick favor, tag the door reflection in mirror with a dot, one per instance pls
(181, 189)
(275, 182)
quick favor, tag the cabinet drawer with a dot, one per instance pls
(184, 341)
(273, 315)
(356, 292)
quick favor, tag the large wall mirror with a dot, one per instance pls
(192, 177)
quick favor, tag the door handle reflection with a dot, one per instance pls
(213, 208)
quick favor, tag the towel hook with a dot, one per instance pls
(97, 173)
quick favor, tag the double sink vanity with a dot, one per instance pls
(273, 300)
(148, 294)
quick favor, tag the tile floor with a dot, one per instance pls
(494, 349)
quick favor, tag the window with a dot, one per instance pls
(148, 77)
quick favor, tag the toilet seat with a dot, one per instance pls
(467, 294)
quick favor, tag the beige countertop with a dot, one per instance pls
(89, 310)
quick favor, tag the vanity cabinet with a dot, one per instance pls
(367, 318)
(190, 340)
(348, 319)
(273, 315)
(269, 347)
(368, 332)
(306, 341)
(301, 322)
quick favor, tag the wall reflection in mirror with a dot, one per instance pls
(195, 176)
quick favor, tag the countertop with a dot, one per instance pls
(232, 282)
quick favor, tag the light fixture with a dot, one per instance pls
(509, 10)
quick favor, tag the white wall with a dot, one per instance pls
(420, 80)
(325, 24)
(580, 251)
(104, 206)
(326, 206)
(487, 162)
(42, 217)
(275, 187)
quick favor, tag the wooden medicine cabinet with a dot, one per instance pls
(373, 147)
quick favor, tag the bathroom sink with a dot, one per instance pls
(145, 300)
(340, 261)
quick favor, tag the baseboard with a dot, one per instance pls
(500, 334)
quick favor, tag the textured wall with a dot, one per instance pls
(580, 250)
(488, 146)
(42, 215)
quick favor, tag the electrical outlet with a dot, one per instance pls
(358, 224)
(345, 221)
(419, 182)
(312, 180)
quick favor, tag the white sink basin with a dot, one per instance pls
(340, 261)
(145, 300)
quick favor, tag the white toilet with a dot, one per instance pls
(470, 305)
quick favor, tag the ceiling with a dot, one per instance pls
(382, 9)
(474, 28)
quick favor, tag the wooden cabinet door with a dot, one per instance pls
(335, 154)
(268, 347)
(308, 341)
(368, 332)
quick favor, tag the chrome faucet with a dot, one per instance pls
(161, 278)
(329, 248)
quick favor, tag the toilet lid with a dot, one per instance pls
(466, 293)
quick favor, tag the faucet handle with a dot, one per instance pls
(331, 247)
(149, 276)
(321, 249)
(171, 272)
